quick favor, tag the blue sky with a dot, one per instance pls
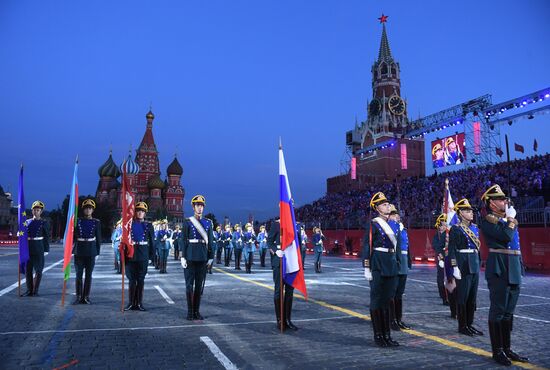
(226, 79)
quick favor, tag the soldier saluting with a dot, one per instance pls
(381, 263)
(196, 255)
(143, 237)
(503, 271)
(39, 245)
(86, 248)
(464, 254)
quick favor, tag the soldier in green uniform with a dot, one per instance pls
(381, 264)
(503, 271)
(39, 245)
(87, 247)
(405, 263)
(196, 255)
(439, 243)
(464, 254)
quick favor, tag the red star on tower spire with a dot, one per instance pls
(383, 18)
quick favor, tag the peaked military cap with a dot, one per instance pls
(248, 224)
(227, 226)
(236, 226)
(377, 199)
(37, 204)
(142, 205)
(449, 140)
(88, 203)
(218, 227)
(262, 227)
(198, 199)
(494, 192)
(462, 204)
(440, 219)
(436, 148)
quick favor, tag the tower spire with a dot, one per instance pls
(384, 53)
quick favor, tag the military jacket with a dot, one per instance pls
(318, 243)
(386, 260)
(274, 243)
(405, 262)
(438, 244)
(237, 240)
(503, 236)
(87, 240)
(38, 234)
(195, 248)
(163, 239)
(464, 248)
(262, 240)
(143, 238)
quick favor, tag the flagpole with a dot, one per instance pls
(281, 286)
(63, 292)
(508, 162)
(122, 259)
(19, 274)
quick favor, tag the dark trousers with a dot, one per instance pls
(36, 263)
(288, 289)
(382, 289)
(238, 254)
(303, 253)
(318, 257)
(164, 255)
(136, 271)
(466, 289)
(84, 264)
(219, 254)
(249, 259)
(195, 274)
(263, 252)
(400, 288)
(227, 255)
(503, 297)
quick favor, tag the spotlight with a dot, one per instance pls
(510, 122)
(547, 95)
(530, 116)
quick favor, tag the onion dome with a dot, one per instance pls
(109, 168)
(156, 182)
(174, 168)
(150, 115)
(132, 168)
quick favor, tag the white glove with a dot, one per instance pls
(456, 273)
(510, 212)
(279, 253)
(441, 264)
(183, 263)
(210, 262)
(368, 274)
(46, 253)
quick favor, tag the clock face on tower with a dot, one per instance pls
(396, 105)
(375, 107)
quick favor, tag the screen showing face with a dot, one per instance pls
(449, 151)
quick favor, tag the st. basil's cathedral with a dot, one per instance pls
(164, 197)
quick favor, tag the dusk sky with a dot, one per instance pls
(226, 78)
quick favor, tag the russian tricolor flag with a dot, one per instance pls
(293, 274)
(448, 206)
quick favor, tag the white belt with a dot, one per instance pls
(467, 251)
(86, 240)
(196, 241)
(386, 250)
(514, 252)
(39, 238)
(405, 252)
(142, 243)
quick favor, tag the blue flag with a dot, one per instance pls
(22, 232)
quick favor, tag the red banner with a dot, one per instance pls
(353, 168)
(403, 156)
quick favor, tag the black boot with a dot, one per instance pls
(131, 297)
(320, 267)
(399, 314)
(280, 323)
(470, 309)
(189, 296)
(496, 344)
(36, 283)
(85, 299)
(394, 324)
(116, 264)
(196, 306)
(288, 311)
(377, 325)
(386, 329)
(462, 324)
(506, 334)
(78, 288)
(28, 282)
(317, 267)
(119, 269)
(139, 296)
(262, 258)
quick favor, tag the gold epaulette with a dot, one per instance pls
(492, 218)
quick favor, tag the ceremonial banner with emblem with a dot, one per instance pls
(448, 206)
(293, 274)
(127, 217)
(22, 232)
(71, 223)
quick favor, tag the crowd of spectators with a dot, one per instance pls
(420, 199)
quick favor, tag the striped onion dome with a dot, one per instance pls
(132, 168)
(175, 168)
(156, 182)
(109, 168)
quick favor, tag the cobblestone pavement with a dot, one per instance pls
(239, 329)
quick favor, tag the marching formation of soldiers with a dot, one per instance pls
(386, 260)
